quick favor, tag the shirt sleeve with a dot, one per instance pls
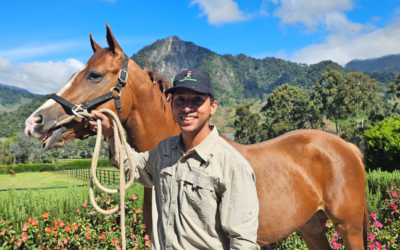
(239, 208)
(142, 161)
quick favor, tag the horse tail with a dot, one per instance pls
(356, 150)
(365, 224)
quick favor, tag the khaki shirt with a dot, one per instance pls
(194, 205)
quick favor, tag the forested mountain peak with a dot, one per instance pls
(388, 63)
(11, 98)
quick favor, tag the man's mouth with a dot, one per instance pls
(188, 118)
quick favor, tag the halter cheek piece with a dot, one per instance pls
(122, 78)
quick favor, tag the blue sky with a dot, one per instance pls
(43, 42)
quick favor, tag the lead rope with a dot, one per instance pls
(119, 137)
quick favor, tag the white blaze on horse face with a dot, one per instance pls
(31, 122)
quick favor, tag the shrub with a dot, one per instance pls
(382, 145)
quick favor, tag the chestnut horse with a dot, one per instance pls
(303, 177)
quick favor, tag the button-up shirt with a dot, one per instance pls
(203, 199)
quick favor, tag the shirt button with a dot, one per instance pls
(177, 179)
(173, 202)
(168, 245)
(170, 222)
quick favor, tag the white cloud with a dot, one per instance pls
(38, 77)
(34, 51)
(221, 11)
(342, 48)
(312, 13)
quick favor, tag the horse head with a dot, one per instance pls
(96, 78)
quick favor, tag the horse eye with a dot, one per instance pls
(95, 76)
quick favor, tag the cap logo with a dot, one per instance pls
(188, 77)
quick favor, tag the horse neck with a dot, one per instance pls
(149, 121)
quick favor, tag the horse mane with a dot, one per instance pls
(163, 84)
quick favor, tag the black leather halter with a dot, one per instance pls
(75, 108)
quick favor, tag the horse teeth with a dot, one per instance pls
(47, 139)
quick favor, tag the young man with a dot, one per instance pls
(204, 194)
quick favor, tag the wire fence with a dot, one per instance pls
(104, 176)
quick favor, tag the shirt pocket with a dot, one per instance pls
(166, 178)
(197, 197)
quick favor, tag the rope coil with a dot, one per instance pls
(120, 140)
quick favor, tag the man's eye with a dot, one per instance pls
(95, 76)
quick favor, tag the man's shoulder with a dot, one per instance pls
(168, 142)
(230, 153)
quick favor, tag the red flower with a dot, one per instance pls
(76, 227)
(45, 215)
(68, 229)
(78, 211)
(144, 226)
(4, 232)
(136, 245)
(135, 219)
(55, 223)
(146, 237)
(24, 237)
(91, 213)
(29, 220)
(134, 197)
(25, 227)
(88, 236)
(62, 224)
(113, 241)
(39, 235)
(133, 236)
(117, 247)
(59, 243)
(65, 241)
(147, 243)
(34, 222)
(19, 243)
(48, 230)
(137, 210)
(84, 204)
(103, 236)
(43, 247)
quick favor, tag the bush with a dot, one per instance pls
(56, 165)
(382, 145)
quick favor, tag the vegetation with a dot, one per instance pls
(390, 63)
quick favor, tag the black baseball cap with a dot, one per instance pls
(193, 79)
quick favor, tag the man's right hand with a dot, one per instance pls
(107, 130)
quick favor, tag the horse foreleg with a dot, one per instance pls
(314, 232)
(147, 210)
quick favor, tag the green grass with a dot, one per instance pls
(37, 180)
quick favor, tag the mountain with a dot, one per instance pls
(11, 98)
(236, 78)
(388, 64)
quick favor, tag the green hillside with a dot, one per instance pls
(11, 99)
(389, 63)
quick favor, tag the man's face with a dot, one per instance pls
(192, 109)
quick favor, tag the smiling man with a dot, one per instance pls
(204, 194)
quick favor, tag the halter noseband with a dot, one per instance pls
(122, 78)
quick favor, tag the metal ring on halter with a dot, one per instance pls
(116, 89)
(76, 108)
(126, 75)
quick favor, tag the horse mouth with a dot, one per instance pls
(53, 138)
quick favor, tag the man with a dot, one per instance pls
(204, 194)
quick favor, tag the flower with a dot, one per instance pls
(103, 236)
(106, 218)
(62, 224)
(371, 246)
(376, 223)
(336, 246)
(34, 222)
(336, 234)
(395, 207)
(29, 220)
(113, 241)
(394, 194)
(68, 229)
(55, 222)
(25, 227)
(19, 243)
(78, 211)
(268, 246)
(147, 243)
(84, 204)
(117, 247)
(134, 197)
(144, 226)
(108, 202)
(76, 227)
(378, 244)
(135, 219)
(88, 236)
(65, 241)
(91, 213)
(327, 224)
(45, 216)
(39, 235)
(373, 215)
(146, 237)
(137, 210)
(371, 238)
(48, 230)
(333, 240)
(4, 232)
(59, 243)
(392, 204)
(24, 237)
(136, 245)
(133, 236)
(392, 243)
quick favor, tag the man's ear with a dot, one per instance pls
(214, 107)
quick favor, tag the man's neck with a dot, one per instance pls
(191, 140)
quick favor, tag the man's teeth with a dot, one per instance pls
(187, 118)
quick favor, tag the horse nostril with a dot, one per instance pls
(38, 119)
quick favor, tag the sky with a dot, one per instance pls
(42, 43)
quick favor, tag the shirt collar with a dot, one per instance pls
(204, 148)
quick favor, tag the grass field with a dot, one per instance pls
(37, 180)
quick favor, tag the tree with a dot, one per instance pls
(286, 110)
(335, 94)
(246, 124)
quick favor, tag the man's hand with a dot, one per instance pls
(107, 130)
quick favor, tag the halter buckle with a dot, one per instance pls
(123, 71)
(116, 89)
(76, 108)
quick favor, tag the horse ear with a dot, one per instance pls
(112, 43)
(95, 46)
